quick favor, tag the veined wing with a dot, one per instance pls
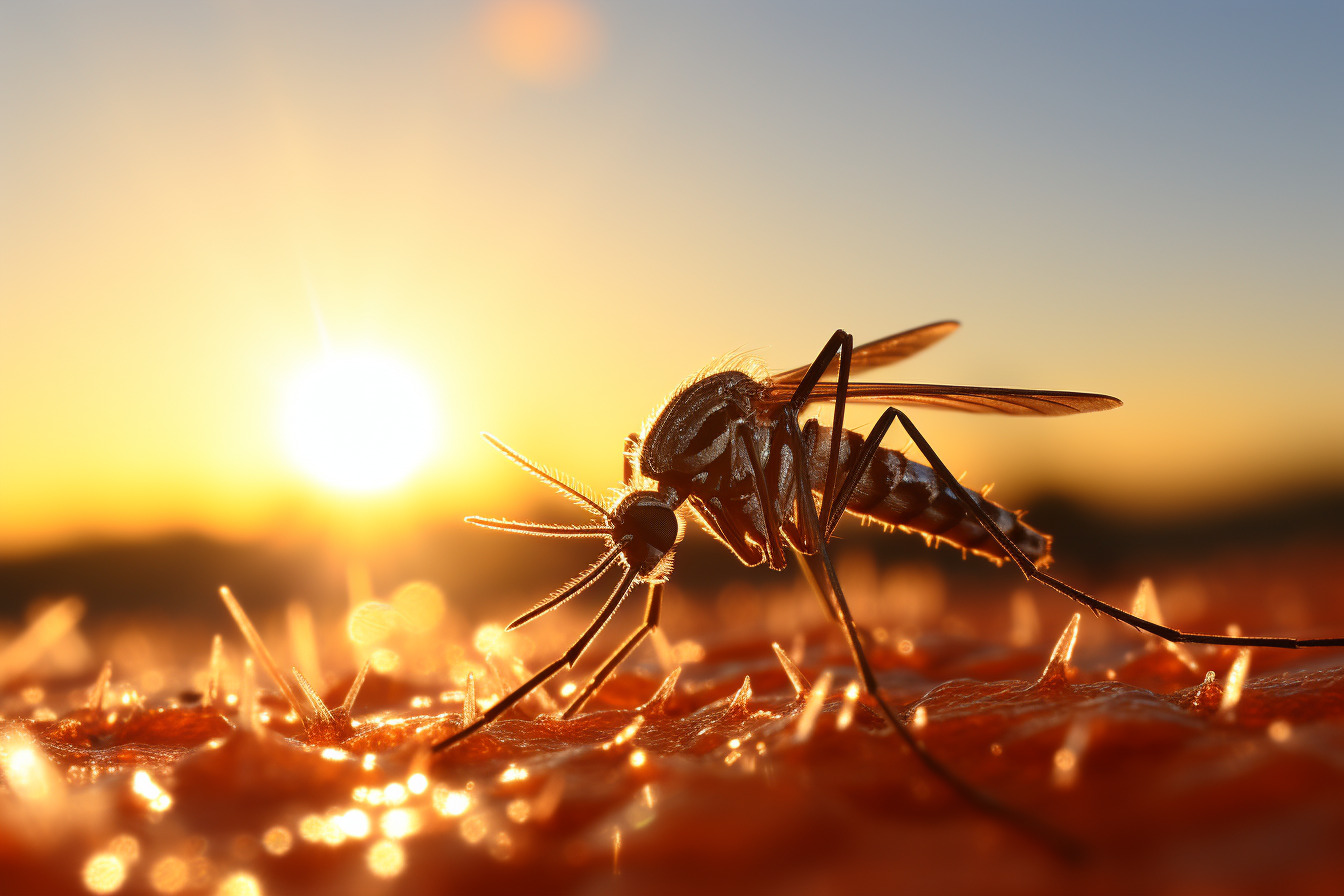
(976, 399)
(880, 352)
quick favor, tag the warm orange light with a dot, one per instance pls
(359, 422)
(540, 41)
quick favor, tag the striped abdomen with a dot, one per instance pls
(897, 491)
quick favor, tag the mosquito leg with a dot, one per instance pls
(1031, 571)
(844, 344)
(837, 427)
(808, 563)
(867, 451)
(651, 616)
(1043, 832)
(569, 659)
(812, 528)
(503, 705)
(774, 548)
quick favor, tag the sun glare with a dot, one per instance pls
(358, 422)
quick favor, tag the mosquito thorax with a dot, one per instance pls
(652, 524)
(693, 430)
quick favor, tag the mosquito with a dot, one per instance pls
(729, 449)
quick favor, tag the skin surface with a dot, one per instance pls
(717, 788)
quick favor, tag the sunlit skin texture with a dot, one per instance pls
(1168, 791)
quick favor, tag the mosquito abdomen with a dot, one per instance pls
(897, 491)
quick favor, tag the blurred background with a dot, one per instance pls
(267, 269)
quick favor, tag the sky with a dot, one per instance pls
(554, 211)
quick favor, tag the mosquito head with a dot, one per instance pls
(651, 523)
(642, 530)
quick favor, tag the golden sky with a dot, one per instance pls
(555, 211)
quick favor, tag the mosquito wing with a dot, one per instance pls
(977, 399)
(880, 352)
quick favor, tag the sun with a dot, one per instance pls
(358, 422)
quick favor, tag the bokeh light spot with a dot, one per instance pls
(239, 884)
(169, 875)
(104, 873)
(386, 858)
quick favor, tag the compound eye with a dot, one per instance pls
(649, 522)
(656, 525)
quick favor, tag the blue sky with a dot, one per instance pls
(1144, 199)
